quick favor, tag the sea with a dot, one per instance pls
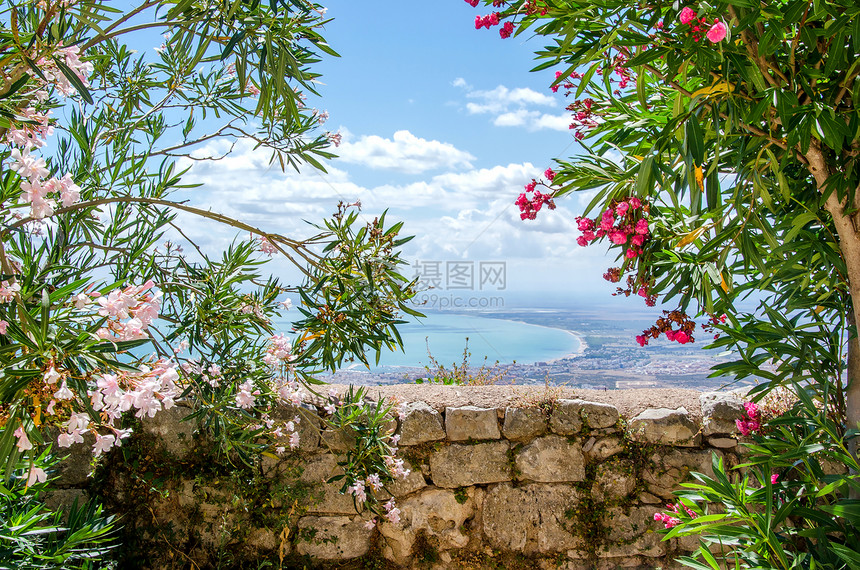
(446, 336)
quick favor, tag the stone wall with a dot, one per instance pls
(562, 484)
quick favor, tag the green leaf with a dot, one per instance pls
(74, 80)
(15, 86)
(695, 140)
(846, 508)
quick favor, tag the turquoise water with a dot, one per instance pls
(497, 339)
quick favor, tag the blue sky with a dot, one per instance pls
(442, 124)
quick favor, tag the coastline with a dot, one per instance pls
(579, 350)
(583, 346)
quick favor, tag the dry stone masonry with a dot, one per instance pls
(566, 484)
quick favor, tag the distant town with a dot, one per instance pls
(610, 360)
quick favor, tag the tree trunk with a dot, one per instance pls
(852, 391)
(849, 246)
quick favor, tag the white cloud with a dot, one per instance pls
(454, 215)
(553, 122)
(513, 107)
(486, 183)
(501, 99)
(403, 152)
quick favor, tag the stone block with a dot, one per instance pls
(719, 412)
(722, 442)
(333, 538)
(669, 468)
(614, 480)
(523, 424)
(597, 416)
(264, 540)
(409, 484)
(551, 459)
(338, 440)
(463, 465)
(309, 425)
(530, 519)
(420, 424)
(471, 423)
(74, 470)
(601, 449)
(633, 531)
(663, 426)
(565, 418)
(437, 514)
(326, 498)
(568, 416)
(172, 431)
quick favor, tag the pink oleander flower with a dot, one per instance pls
(267, 247)
(245, 397)
(37, 474)
(717, 33)
(584, 224)
(104, 443)
(8, 291)
(506, 31)
(752, 410)
(667, 520)
(392, 512)
(23, 441)
(607, 220)
(618, 237)
(374, 481)
(51, 376)
(687, 15)
(280, 350)
(70, 193)
(746, 427)
(30, 135)
(27, 166)
(372, 522)
(682, 337)
(64, 393)
(3, 325)
(357, 490)
(41, 208)
(774, 478)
